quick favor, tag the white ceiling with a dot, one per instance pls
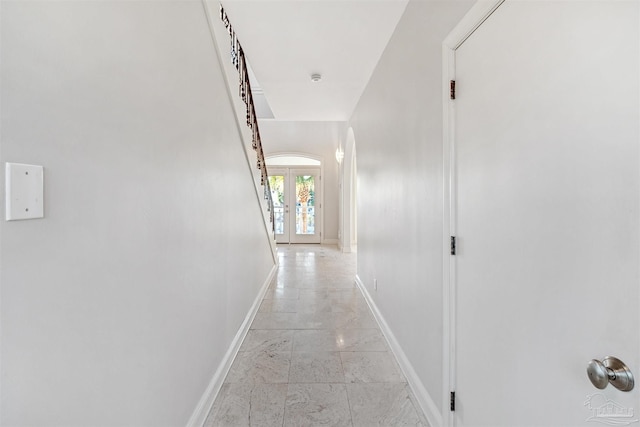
(286, 41)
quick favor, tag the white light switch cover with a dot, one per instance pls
(24, 191)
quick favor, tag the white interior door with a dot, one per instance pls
(296, 194)
(547, 213)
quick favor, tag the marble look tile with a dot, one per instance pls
(316, 367)
(416, 405)
(354, 320)
(293, 321)
(260, 367)
(330, 293)
(370, 367)
(315, 340)
(274, 321)
(265, 306)
(339, 340)
(294, 279)
(331, 305)
(278, 306)
(248, 405)
(281, 293)
(326, 283)
(351, 304)
(314, 306)
(382, 404)
(317, 405)
(337, 280)
(312, 341)
(268, 340)
(316, 321)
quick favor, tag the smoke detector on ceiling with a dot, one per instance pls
(316, 77)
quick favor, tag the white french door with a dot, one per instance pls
(546, 206)
(296, 196)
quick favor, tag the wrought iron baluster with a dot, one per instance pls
(239, 62)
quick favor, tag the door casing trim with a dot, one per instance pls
(474, 18)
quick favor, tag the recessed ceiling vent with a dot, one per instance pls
(316, 77)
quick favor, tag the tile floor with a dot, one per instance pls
(314, 355)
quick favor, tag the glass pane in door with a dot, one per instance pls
(277, 194)
(305, 204)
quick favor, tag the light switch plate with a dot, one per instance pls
(24, 191)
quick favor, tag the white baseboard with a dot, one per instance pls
(428, 406)
(205, 404)
(349, 249)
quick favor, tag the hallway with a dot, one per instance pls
(314, 354)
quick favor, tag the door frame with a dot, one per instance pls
(476, 16)
(272, 164)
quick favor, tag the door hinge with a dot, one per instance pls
(452, 401)
(452, 86)
(453, 245)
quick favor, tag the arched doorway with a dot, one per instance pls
(296, 190)
(349, 190)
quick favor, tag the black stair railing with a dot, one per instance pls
(239, 61)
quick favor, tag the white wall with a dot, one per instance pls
(320, 139)
(118, 306)
(398, 132)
